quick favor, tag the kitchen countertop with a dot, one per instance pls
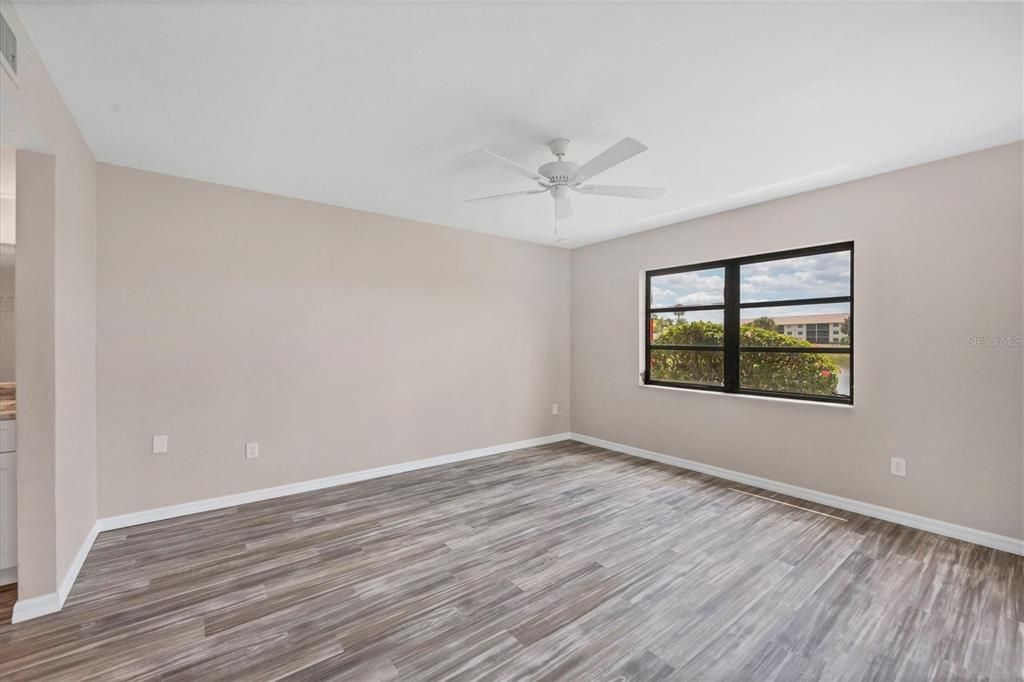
(8, 403)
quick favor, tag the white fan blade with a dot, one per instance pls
(495, 197)
(563, 208)
(620, 191)
(624, 149)
(516, 168)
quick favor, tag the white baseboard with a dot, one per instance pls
(25, 609)
(174, 511)
(952, 530)
(44, 604)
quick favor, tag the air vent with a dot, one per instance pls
(8, 48)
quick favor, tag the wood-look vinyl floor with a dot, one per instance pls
(8, 595)
(557, 562)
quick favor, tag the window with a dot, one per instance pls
(817, 332)
(778, 324)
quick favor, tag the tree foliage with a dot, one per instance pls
(809, 373)
(844, 329)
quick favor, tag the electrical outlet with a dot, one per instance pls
(554, 408)
(252, 450)
(159, 445)
(898, 466)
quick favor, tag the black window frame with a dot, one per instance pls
(731, 307)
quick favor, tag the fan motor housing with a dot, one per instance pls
(559, 171)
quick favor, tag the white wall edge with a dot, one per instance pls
(951, 530)
(174, 511)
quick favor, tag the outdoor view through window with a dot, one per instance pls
(774, 324)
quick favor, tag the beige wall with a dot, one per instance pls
(7, 239)
(938, 260)
(339, 340)
(37, 520)
(8, 344)
(71, 263)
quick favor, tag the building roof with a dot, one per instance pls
(804, 319)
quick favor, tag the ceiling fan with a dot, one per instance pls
(560, 178)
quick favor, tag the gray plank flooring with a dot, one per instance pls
(557, 562)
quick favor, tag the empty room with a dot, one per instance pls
(511, 340)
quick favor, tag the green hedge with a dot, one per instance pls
(811, 373)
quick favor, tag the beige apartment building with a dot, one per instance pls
(825, 328)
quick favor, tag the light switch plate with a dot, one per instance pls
(159, 445)
(252, 450)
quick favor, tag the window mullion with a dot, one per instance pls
(646, 377)
(732, 327)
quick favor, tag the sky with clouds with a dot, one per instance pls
(815, 276)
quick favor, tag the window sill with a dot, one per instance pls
(814, 403)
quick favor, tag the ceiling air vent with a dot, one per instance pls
(8, 48)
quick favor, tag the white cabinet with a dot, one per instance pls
(8, 502)
(8, 435)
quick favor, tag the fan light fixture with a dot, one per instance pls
(561, 178)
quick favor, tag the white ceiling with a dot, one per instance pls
(380, 106)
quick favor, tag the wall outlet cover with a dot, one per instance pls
(898, 466)
(159, 445)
